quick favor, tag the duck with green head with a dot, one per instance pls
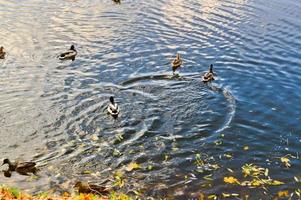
(113, 108)
(208, 76)
(69, 55)
(23, 168)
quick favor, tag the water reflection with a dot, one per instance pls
(54, 112)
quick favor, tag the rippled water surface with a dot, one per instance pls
(55, 112)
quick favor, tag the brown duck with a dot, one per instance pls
(84, 187)
(23, 168)
(69, 55)
(176, 63)
(208, 76)
(2, 53)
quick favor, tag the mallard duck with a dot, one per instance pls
(2, 53)
(113, 108)
(69, 55)
(176, 63)
(23, 168)
(84, 187)
(208, 76)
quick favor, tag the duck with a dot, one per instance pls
(23, 168)
(208, 76)
(84, 187)
(113, 108)
(176, 63)
(69, 55)
(2, 53)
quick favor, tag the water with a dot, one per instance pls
(54, 112)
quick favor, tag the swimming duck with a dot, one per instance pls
(69, 55)
(113, 108)
(176, 63)
(84, 187)
(208, 76)
(22, 168)
(2, 53)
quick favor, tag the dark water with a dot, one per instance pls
(54, 112)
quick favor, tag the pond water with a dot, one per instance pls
(54, 112)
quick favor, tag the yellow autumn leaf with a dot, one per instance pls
(285, 161)
(212, 196)
(256, 183)
(246, 148)
(132, 166)
(275, 182)
(231, 180)
(283, 193)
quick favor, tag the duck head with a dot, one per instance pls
(211, 68)
(72, 48)
(6, 161)
(1, 49)
(112, 100)
(78, 184)
(178, 56)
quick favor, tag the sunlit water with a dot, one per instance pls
(54, 112)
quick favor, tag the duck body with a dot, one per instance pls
(7, 173)
(113, 108)
(69, 55)
(84, 187)
(23, 168)
(208, 76)
(2, 53)
(176, 63)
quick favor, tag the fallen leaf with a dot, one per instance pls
(285, 161)
(132, 166)
(231, 180)
(283, 193)
(246, 148)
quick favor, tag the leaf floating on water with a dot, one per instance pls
(297, 179)
(228, 156)
(252, 170)
(282, 194)
(231, 180)
(212, 196)
(230, 170)
(218, 142)
(132, 166)
(275, 182)
(116, 153)
(150, 167)
(208, 177)
(285, 161)
(227, 195)
(166, 157)
(94, 137)
(266, 172)
(246, 148)
(87, 172)
(298, 192)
